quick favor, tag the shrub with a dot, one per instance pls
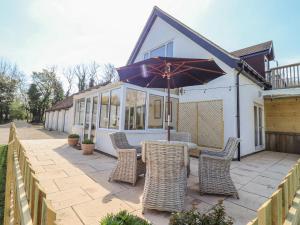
(216, 217)
(87, 141)
(123, 218)
(73, 136)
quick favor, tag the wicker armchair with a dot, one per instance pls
(180, 136)
(166, 176)
(130, 164)
(220, 153)
(214, 171)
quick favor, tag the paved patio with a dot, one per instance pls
(80, 193)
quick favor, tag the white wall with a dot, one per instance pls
(250, 94)
(46, 120)
(68, 120)
(61, 120)
(54, 120)
(161, 32)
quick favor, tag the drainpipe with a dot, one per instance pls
(238, 122)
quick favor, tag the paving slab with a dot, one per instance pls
(80, 193)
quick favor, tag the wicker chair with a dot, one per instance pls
(220, 153)
(214, 171)
(180, 136)
(130, 164)
(166, 176)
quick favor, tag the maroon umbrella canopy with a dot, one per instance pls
(153, 72)
(165, 72)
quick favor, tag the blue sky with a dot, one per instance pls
(40, 33)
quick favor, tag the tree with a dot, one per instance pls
(45, 91)
(69, 76)
(10, 82)
(110, 73)
(93, 73)
(34, 102)
(81, 72)
(17, 110)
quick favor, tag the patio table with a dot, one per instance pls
(191, 146)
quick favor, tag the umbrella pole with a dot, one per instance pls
(169, 116)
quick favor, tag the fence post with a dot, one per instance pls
(9, 180)
(276, 200)
(265, 213)
(48, 214)
(285, 199)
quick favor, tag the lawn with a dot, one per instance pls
(3, 154)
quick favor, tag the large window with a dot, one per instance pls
(114, 109)
(258, 126)
(173, 113)
(156, 110)
(135, 110)
(87, 118)
(165, 50)
(79, 111)
(94, 114)
(104, 107)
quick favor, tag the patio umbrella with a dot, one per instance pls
(170, 73)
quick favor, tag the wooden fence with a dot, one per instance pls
(283, 207)
(25, 200)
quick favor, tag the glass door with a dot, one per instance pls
(87, 118)
(258, 126)
(93, 122)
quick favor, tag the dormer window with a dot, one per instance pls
(267, 64)
(165, 50)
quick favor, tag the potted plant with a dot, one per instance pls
(123, 218)
(73, 139)
(87, 146)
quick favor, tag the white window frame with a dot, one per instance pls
(159, 46)
(258, 146)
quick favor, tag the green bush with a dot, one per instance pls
(3, 157)
(73, 136)
(123, 218)
(217, 216)
(87, 141)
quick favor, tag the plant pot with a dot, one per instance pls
(88, 149)
(73, 141)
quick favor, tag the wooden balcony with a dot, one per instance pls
(287, 76)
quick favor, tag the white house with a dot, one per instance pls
(231, 105)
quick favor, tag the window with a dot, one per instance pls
(79, 111)
(135, 110)
(114, 109)
(76, 119)
(165, 51)
(258, 126)
(161, 51)
(267, 65)
(103, 123)
(155, 115)
(87, 118)
(173, 113)
(169, 52)
(94, 114)
(146, 55)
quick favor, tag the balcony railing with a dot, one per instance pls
(284, 76)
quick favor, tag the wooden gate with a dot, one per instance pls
(204, 121)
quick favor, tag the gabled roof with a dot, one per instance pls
(266, 47)
(211, 47)
(63, 104)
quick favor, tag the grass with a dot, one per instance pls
(3, 154)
